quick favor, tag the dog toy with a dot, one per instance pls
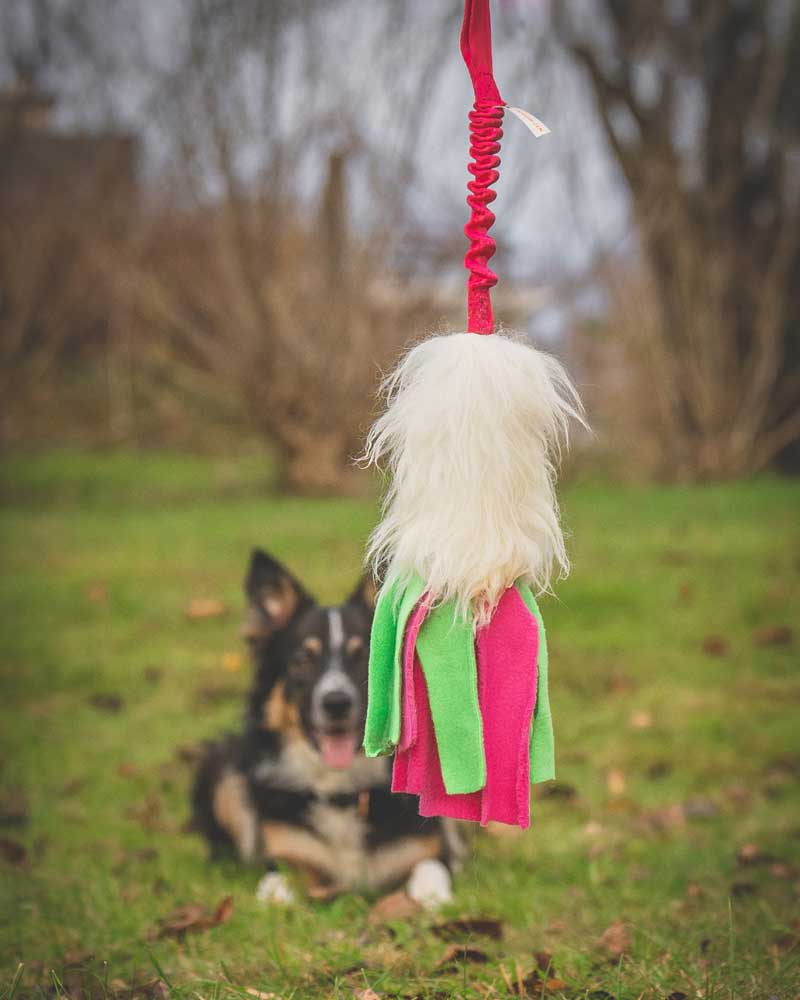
(470, 530)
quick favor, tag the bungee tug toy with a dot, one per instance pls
(470, 532)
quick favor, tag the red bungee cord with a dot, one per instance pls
(485, 132)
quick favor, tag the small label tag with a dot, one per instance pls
(531, 122)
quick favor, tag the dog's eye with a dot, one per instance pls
(354, 645)
(312, 645)
(301, 667)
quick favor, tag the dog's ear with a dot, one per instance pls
(274, 597)
(366, 592)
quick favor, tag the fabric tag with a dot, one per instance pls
(531, 122)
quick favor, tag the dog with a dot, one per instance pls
(293, 788)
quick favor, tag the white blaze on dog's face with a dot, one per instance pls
(312, 662)
(336, 699)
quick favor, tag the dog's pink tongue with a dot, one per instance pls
(338, 749)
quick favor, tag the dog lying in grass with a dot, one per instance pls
(293, 788)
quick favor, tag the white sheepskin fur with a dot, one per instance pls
(471, 436)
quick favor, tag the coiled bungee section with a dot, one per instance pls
(485, 132)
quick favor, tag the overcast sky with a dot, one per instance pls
(560, 198)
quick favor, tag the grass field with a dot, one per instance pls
(664, 862)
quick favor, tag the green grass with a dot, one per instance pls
(101, 554)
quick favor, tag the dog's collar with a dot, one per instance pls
(347, 800)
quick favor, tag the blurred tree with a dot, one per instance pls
(261, 281)
(700, 104)
(269, 294)
(66, 202)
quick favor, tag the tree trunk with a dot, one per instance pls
(316, 465)
(718, 218)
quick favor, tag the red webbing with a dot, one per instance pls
(485, 133)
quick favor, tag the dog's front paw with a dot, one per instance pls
(275, 888)
(430, 884)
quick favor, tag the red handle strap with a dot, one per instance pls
(485, 133)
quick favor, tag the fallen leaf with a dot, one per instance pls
(232, 662)
(395, 906)
(107, 702)
(619, 683)
(699, 807)
(469, 926)
(615, 782)
(189, 753)
(667, 818)
(224, 910)
(459, 953)
(155, 989)
(12, 851)
(787, 765)
(739, 795)
(615, 939)
(773, 635)
(14, 807)
(620, 806)
(715, 645)
(205, 607)
(73, 811)
(97, 593)
(73, 786)
(127, 769)
(215, 692)
(502, 831)
(641, 720)
(749, 854)
(77, 957)
(147, 813)
(556, 790)
(194, 917)
(142, 855)
(534, 985)
(784, 943)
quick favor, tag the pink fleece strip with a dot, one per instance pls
(408, 730)
(507, 666)
(418, 771)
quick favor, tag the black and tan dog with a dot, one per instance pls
(293, 786)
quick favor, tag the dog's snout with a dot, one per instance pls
(337, 704)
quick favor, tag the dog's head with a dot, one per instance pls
(311, 661)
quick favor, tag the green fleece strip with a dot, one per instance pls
(446, 647)
(382, 727)
(543, 761)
